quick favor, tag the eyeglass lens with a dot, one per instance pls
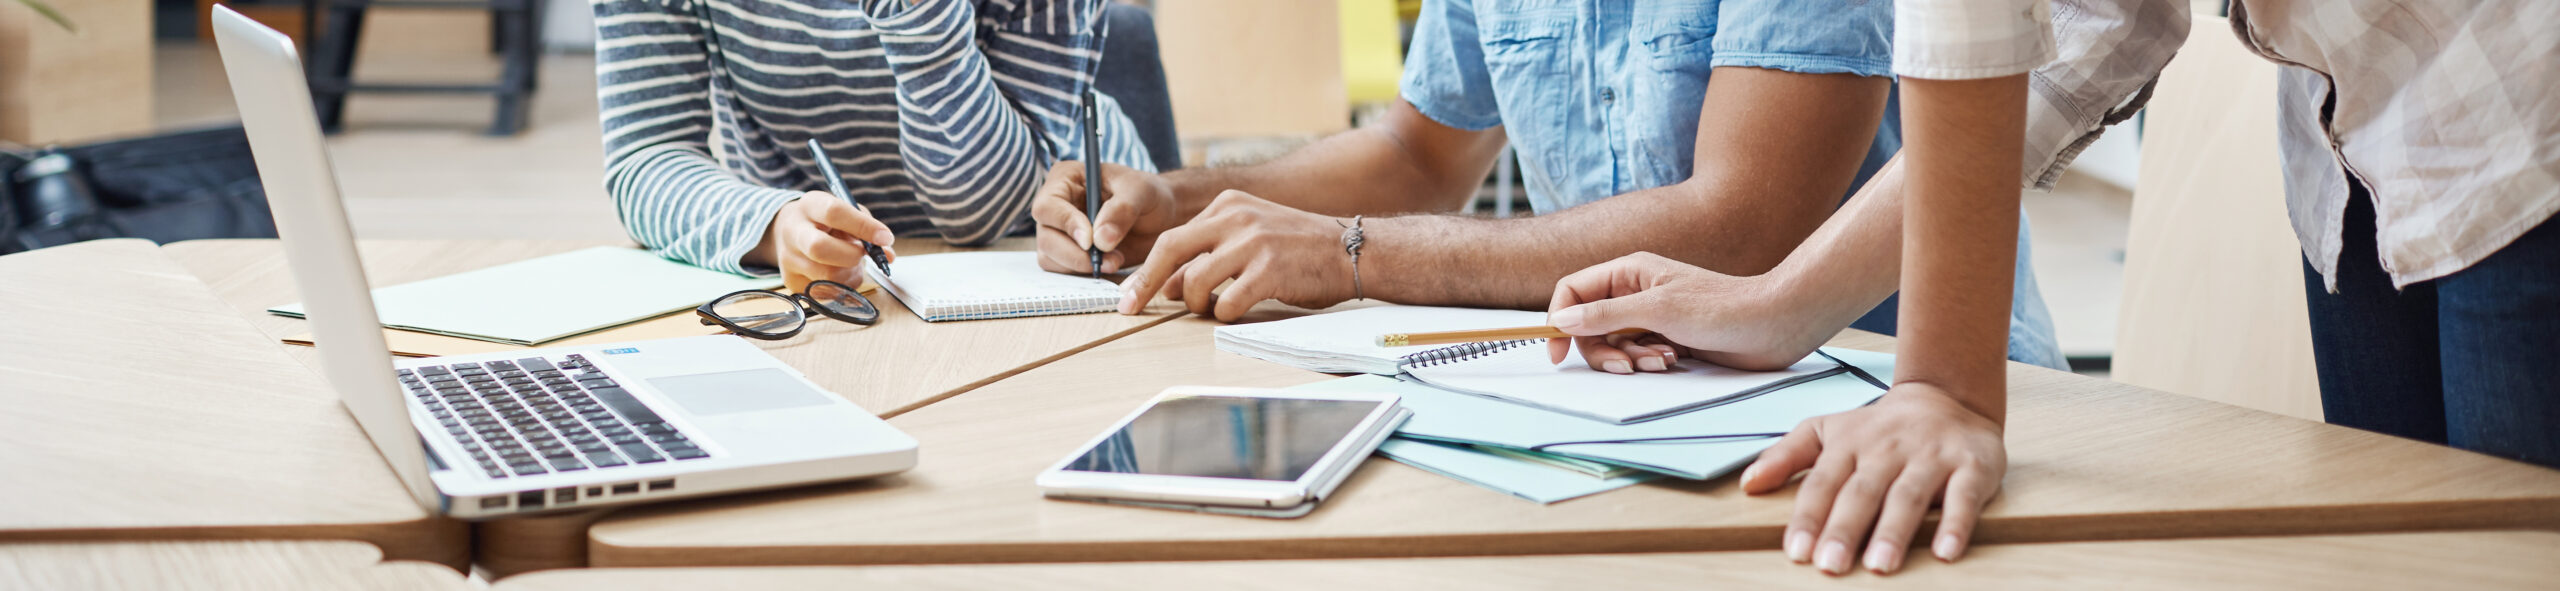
(835, 299)
(760, 311)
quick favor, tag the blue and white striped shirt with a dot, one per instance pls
(942, 116)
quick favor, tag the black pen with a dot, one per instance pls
(1092, 179)
(835, 184)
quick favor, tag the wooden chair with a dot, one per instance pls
(518, 36)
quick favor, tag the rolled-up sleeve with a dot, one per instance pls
(2089, 63)
(2108, 53)
(1444, 74)
(1806, 36)
(1971, 39)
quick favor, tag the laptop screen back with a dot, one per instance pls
(284, 136)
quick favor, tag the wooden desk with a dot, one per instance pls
(2090, 460)
(265, 565)
(140, 408)
(2446, 560)
(892, 367)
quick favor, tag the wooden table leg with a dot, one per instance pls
(512, 546)
(446, 544)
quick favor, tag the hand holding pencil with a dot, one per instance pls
(1398, 339)
(1675, 310)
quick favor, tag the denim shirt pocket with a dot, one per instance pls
(1530, 55)
(1679, 44)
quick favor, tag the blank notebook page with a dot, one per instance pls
(545, 299)
(985, 285)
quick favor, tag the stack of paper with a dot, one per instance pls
(1508, 419)
(1522, 374)
(1693, 445)
(1347, 341)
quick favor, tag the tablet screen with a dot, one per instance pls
(1227, 437)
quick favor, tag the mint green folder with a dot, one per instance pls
(1656, 446)
(545, 299)
(1519, 478)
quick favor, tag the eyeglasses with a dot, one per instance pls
(773, 316)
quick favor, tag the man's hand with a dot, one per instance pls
(1136, 207)
(813, 238)
(1271, 251)
(1876, 470)
(1726, 320)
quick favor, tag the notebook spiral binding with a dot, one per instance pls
(1020, 307)
(1459, 353)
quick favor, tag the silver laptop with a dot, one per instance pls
(534, 430)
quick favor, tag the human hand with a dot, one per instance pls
(813, 238)
(1272, 252)
(1136, 207)
(1875, 471)
(1723, 319)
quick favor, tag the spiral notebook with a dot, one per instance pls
(988, 285)
(1519, 372)
(1347, 341)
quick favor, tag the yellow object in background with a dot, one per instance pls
(1372, 56)
(1252, 69)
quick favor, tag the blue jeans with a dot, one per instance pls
(2471, 359)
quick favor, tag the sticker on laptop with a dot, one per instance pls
(621, 350)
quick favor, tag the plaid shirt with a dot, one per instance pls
(2089, 63)
(2447, 112)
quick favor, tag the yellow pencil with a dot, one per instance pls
(1482, 335)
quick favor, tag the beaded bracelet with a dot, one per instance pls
(1351, 241)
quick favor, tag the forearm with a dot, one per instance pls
(1848, 266)
(682, 205)
(1381, 169)
(1443, 259)
(968, 153)
(1961, 235)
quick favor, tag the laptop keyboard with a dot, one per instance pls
(531, 416)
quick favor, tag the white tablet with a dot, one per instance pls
(1229, 447)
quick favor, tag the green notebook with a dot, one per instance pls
(540, 300)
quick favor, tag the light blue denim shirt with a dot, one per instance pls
(1601, 97)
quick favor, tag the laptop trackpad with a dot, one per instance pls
(737, 391)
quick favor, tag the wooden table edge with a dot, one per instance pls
(433, 539)
(1159, 320)
(2540, 514)
(2527, 512)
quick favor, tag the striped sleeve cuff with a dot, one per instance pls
(682, 206)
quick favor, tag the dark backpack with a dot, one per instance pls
(164, 188)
